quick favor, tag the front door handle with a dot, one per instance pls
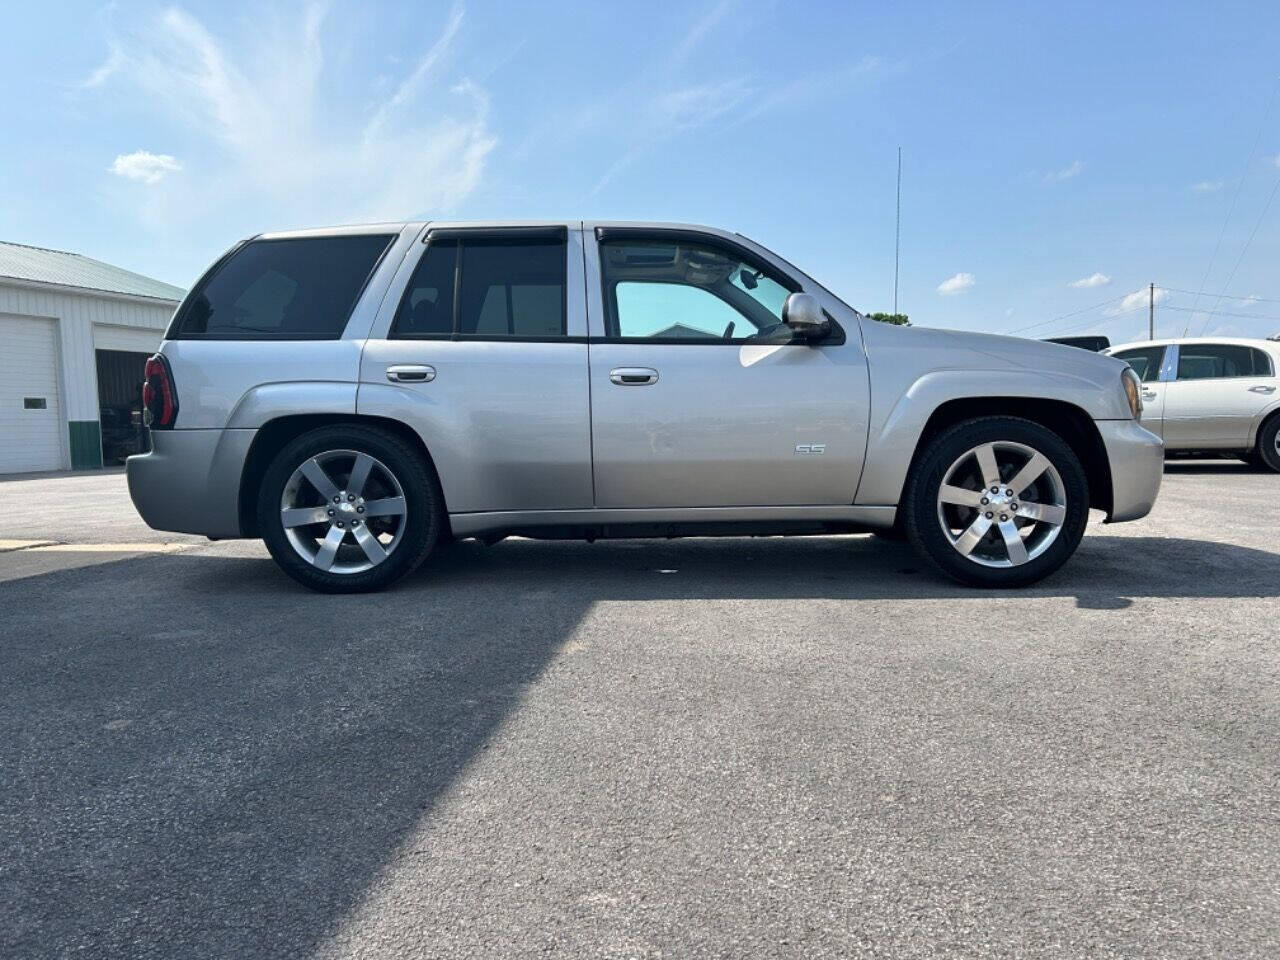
(1149, 394)
(633, 376)
(411, 373)
(1262, 389)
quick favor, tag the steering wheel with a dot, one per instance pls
(728, 331)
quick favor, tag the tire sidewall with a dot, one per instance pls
(926, 532)
(422, 502)
(1268, 456)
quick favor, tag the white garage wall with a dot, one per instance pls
(77, 314)
(126, 338)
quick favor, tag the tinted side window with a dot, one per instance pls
(1212, 361)
(512, 288)
(1146, 361)
(298, 289)
(689, 291)
(504, 288)
(427, 307)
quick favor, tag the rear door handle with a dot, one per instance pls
(1262, 389)
(411, 373)
(633, 376)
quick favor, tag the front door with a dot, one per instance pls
(699, 396)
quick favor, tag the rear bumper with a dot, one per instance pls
(1136, 456)
(190, 481)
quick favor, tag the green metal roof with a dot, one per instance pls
(38, 265)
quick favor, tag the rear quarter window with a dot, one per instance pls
(302, 288)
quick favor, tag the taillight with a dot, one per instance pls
(159, 399)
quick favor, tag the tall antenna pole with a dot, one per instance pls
(897, 233)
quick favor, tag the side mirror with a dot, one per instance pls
(803, 314)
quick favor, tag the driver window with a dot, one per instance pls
(691, 292)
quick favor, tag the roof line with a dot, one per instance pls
(32, 246)
(74, 287)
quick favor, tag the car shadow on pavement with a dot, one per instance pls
(1225, 466)
(201, 759)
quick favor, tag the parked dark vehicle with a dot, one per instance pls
(1096, 344)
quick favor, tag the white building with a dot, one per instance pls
(75, 335)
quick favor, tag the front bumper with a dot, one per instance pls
(190, 481)
(1136, 456)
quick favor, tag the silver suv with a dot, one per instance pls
(354, 396)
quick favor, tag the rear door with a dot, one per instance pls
(1149, 364)
(485, 356)
(699, 396)
(1218, 392)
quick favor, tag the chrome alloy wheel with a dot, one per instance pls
(343, 511)
(1002, 504)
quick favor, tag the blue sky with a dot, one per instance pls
(1055, 158)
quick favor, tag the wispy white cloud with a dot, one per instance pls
(1207, 186)
(697, 33)
(268, 141)
(412, 84)
(145, 166)
(724, 103)
(1066, 173)
(1093, 280)
(1139, 298)
(956, 284)
(105, 70)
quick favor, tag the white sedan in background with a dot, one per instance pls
(1219, 395)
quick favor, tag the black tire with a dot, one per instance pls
(895, 534)
(920, 503)
(1266, 454)
(423, 507)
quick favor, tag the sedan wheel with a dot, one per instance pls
(1269, 444)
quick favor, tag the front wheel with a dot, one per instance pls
(997, 502)
(348, 509)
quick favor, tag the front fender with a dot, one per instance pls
(893, 440)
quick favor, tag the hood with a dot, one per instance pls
(992, 349)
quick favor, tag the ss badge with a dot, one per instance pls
(817, 448)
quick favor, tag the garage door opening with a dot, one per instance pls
(120, 375)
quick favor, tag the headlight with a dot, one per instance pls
(1132, 391)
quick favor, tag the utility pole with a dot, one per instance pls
(1151, 312)
(897, 233)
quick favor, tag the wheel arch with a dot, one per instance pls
(275, 433)
(1069, 421)
(1261, 422)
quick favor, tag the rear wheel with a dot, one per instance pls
(1267, 453)
(347, 509)
(997, 502)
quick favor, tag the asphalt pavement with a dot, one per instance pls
(700, 748)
